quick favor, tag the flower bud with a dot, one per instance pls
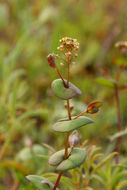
(76, 55)
(68, 54)
(62, 64)
(51, 60)
(61, 48)
(74, 139)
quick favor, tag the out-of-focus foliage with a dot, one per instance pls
(29, 30)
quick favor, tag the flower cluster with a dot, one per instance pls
(68, 45)
(122, 46)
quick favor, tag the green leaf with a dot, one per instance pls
(28, 153)
(121, 61)
(64, 180)
(66, 126)
(121, 185)
(62, 92)
(120, 166)
(48, 147)
(39, 112)
(105, 82)
(118, 134)
(95, 157)
(98, 178)
(103, 162)
(118, 177)
(110, 83)
(76, 158)
(40, 182)
(15, 165)
(88, 188)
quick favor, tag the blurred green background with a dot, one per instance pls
(29, 31)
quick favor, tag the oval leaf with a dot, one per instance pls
(110, 83)
(105, 82)
(27, 153)
(76, 158)
(120, 61)
(40, 182)
(62, 92)
(66, 126)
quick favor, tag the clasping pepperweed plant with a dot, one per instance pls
(120, 61)
(71, 156)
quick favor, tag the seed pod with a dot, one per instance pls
(51, 60)
(74, 138)
(94, 107)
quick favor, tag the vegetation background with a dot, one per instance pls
(29, 31)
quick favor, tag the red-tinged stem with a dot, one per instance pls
(80, 115)
(70, 151)
(15, 185)
(77, 186)
(119, 123)
(58, 180)
(68, 72)
(69, 116)
(61, 76)
(66, 145)
(118, 74)
(69, 111)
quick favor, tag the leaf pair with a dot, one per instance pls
(76, 158)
